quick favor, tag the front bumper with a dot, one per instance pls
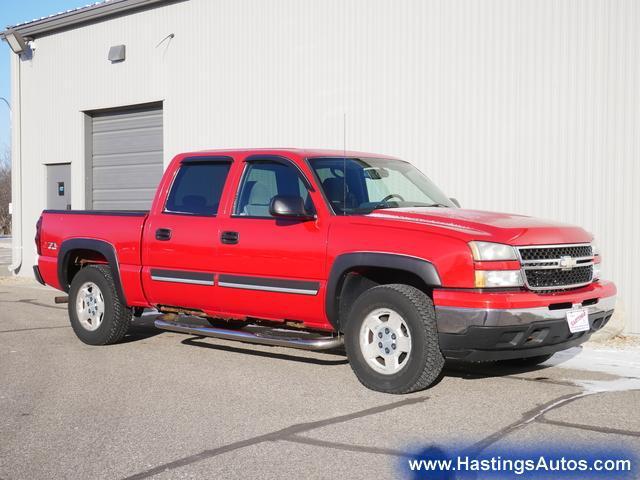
(487, 333)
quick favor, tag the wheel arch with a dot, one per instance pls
(94, 252)
(374, 265)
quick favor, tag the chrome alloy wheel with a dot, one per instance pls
(385, 341)
(90, 306)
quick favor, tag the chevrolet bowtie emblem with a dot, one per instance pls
(567, 263)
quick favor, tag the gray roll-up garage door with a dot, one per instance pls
(126, 158)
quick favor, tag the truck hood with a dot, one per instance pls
(506, 228)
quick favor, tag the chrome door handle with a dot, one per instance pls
(230, 238)
(163, 234)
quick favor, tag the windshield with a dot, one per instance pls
(361, 185)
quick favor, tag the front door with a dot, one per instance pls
(59, 186)
(271, 267)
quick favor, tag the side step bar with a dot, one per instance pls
(263, 338)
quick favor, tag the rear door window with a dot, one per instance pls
(197, 188)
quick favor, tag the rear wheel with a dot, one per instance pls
(98, 315)
(391, 339)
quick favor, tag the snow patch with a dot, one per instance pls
(623, 363)
(619, 362)
(599, 386)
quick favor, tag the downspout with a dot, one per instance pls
(16, 165)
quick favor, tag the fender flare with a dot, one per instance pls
(418, 266)
(104, 248)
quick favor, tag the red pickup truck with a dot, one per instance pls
(310, 248)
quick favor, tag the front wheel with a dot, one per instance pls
(391, 339)
(98, 315)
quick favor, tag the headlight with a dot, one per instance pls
(498, 278)
(487, 251)
(595, 249)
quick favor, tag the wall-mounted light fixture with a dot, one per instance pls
(16, 41)
(117, 53)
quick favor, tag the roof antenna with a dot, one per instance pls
(344, 163)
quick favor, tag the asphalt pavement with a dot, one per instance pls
(163, 405)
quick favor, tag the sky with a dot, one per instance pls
(18, 11)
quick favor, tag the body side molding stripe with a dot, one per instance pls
(300, 287)
(180, 276)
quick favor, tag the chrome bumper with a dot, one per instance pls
(458, 320)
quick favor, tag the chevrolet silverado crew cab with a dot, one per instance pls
(313, 248)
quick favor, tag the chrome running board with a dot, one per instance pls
(263, 337)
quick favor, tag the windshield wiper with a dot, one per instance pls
(422, 204)
(382, 206)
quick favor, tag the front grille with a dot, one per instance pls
(551, 253)
(557, 267)
(552, 278)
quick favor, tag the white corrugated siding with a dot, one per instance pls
(522, 106)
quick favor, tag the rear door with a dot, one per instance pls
(181, 237)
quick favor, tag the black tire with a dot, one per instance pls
(425, 361)
(526, 361)
(117, 316)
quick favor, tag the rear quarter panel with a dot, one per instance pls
(123, 232)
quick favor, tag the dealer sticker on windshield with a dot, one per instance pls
(578, 320)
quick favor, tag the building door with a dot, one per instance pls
(59, 186)
(125, 163)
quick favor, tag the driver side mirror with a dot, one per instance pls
(285, 206)
(455, 202)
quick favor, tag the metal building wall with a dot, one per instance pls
(528, 106)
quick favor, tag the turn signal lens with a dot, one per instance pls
(595, 249)
(596, 271)
(498, 278)
(488, 251)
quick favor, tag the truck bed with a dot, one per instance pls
(120, 231)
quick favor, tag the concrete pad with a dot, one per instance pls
(281, 459)
(221, 409)
(613, 411)
(533, 434)
(459, 411)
